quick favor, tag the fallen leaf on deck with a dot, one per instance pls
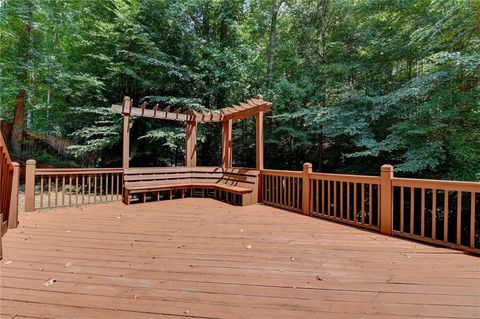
(292, 258)
(249, 246)
(68, 265)
(8, 262)
(187, 311)
(318, 278)
(49, 282)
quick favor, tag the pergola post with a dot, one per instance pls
(227, 143)
(259, 141)
(127, 106)
(191, 147)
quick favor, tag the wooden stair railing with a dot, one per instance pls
(9, 181)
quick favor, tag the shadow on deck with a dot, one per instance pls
(206, 259)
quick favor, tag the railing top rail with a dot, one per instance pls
(437, 184)
(4, 145)
(347, 178)
(75, 171)
(281, 172)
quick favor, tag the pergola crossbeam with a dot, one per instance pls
(251, 107)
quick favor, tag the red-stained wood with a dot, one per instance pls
(198, 257)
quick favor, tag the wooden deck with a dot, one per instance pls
(206, 259)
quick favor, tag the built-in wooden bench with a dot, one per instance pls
(235, 185)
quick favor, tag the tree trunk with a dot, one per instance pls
(320, 150)
(19, 117)
(476, 10)
(272, 41)
(25, 36)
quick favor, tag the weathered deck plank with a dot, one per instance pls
(203, 258)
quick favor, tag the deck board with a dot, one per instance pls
(206, 259)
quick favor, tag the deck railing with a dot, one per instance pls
(56, 187)
(282, 189)
(346, 198)
(9, 180)
(439, 212)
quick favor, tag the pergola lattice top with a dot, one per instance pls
(239, 111)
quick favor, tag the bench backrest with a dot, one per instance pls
(242, 177)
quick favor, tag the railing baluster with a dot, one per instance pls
(76, 190)
(111, 187)
(95, 188)
(335, 199)
(402, 209)
(101, 187)
(370, 204)
(41, 191)
(434, 213)
(298, 192)
(341, 200)
(348, 201)
(329, 198)
(83, 189)
(89, 181)
(422, 211)
(49, 190)
(63, 190)
(472, 220)
(412, 207)
(56, 190)
(70, 189)
(459, 217)
(355, 200)
(445, 217)
(287, 187)
(363, 203)
(118, 186)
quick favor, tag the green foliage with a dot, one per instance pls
(355, 84)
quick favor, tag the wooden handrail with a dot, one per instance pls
(56, 187)
(437, 184)
(75, 171)
(404, 207)
(6, 181)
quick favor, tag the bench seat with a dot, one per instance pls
(240, 183)
(233, 189)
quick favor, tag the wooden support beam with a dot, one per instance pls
(386, 209)
(227, 144)
(259, 141)
(13, 213)
(127, 103)
(307, 170)
(253, 110)
(191, 147)
(30, 185)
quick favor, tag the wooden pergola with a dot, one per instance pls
(252, 107)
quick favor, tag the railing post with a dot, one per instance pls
(13, 212)
(30, 186)
(307, 170)
(386, 195)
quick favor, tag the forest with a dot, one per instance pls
(354, 83)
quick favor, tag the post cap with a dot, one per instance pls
(307, 166)
(126, 105)
(31, 162)
(386, 168)
(15, 164)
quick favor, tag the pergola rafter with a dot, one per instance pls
(236, 112)
(251, 107)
